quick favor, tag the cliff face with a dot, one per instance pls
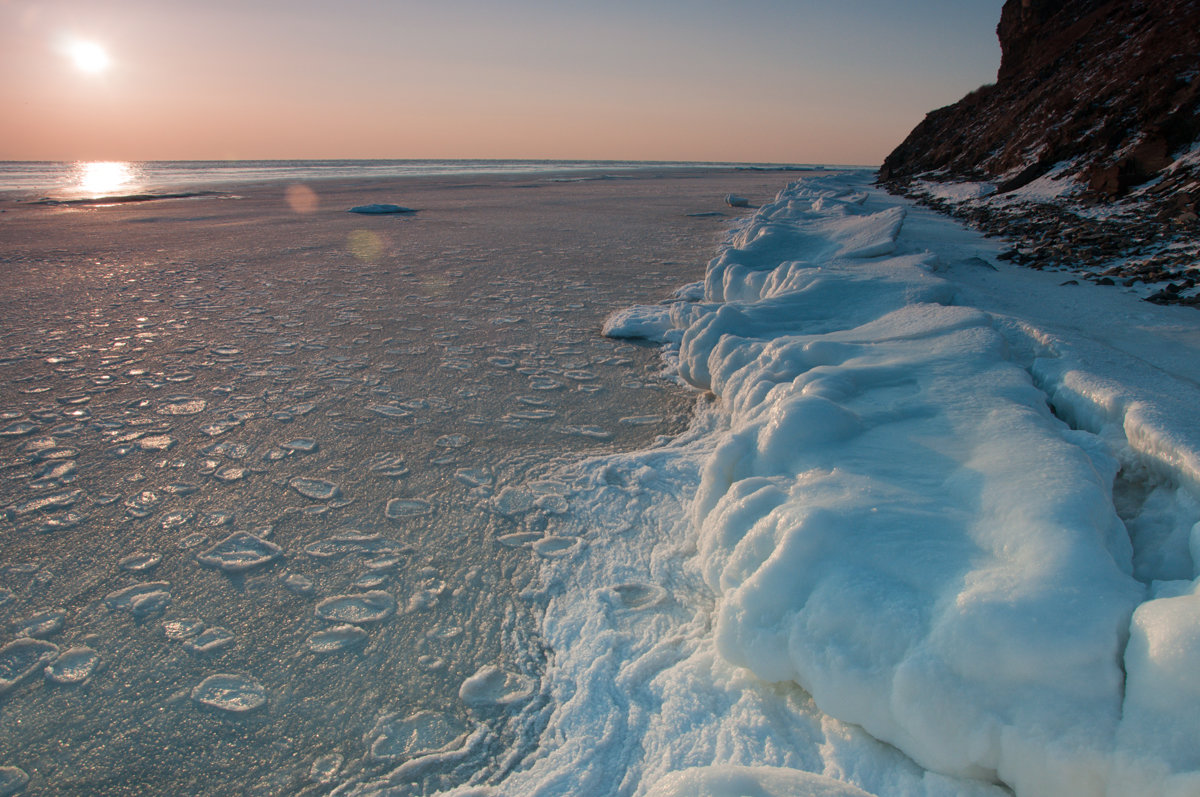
(1110, 88)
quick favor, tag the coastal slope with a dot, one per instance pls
(1110, 87)
(1084, 153)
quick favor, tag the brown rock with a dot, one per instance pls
(1107, 84)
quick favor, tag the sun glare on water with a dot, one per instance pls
(102, 178)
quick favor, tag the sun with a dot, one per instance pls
(88, 56)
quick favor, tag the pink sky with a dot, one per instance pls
(760, 80)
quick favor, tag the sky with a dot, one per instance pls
(782, 81)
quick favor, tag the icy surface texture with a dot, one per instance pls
(726, 781)
(896, 521)
(269, 507)
(893, 515)
(332, 529)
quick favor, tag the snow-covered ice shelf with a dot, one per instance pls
(944, 507)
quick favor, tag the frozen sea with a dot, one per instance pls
(312, 453)
(74, 180)
(303, 502)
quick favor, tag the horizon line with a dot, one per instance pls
(777, 164)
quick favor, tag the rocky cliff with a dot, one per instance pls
(1096, 105)
(1112, 86)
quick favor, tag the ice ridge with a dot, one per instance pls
(880, 510)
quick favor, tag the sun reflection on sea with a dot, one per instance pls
(104, 178)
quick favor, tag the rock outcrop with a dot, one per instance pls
(1109, 87)
(1085, 152)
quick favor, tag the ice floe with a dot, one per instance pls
(239, 552)
(399, 736)
(390, 465)
(73, 666)
(352, 542)
(316, 489)
(361, 608)
(232, 693)
(519, 538)
(298, 584)
(492, 686)
(380, 208)
(141, 600)
(18, 429)
(301, 445)
(42, 624)
(325, 768)
(338, 638)
(552, 546)
(400, 508)
(21, 658)
(639, 596)
(183, 405)
(183, 628)
(513, 502)
(158, 442)
(47, 503)
(208, 640)
(390, 411)
(475, 477)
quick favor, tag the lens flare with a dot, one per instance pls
(301, 199)
(365, 245)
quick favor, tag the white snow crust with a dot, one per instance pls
(933, 532)
(955, 192)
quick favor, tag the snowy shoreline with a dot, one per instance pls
(880, 525)
(1145, 243)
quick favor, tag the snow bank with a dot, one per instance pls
(1158, 752)
(896, 522)
(647, 322)
(955, 192)
(878, 556)
(1057, 183)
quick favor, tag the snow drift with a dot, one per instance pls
(908, 546)
(896, 521)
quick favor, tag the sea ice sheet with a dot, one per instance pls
(191, 472)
